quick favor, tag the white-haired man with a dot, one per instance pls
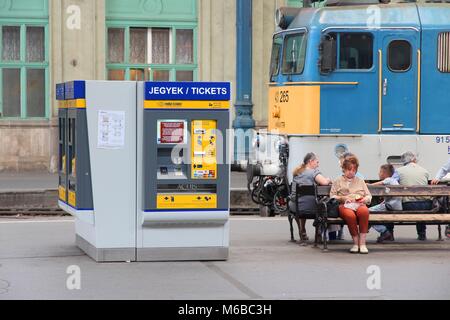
(411, 174)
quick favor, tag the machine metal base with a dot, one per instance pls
(183, 254)
(152, 254)
(106, 255)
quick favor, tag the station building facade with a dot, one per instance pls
(44, 42)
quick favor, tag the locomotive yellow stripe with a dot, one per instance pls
(285, 105)
(313, 83)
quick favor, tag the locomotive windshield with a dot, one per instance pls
(276, 55)
(294, 51)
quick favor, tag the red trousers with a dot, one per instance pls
(354, 219)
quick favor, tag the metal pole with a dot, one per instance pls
(243, 123)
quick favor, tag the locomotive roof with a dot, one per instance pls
(426, 16)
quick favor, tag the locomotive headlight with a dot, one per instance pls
(279, 18)
(285, 15)
(339, 150)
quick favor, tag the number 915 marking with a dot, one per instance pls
(442, 139)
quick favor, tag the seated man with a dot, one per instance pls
(444, 171)
(390, 203)
(411, 174)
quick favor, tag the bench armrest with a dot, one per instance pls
(322, 206)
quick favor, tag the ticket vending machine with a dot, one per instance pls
(183, 171)
(62, 144)
(79, 191)
(100, 160)
(146, 173)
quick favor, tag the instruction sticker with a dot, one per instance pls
(111, 129)
(172, 131)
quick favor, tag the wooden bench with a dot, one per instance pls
(437, 216)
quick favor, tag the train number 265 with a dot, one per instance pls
(283, 97)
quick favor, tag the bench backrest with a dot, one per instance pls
(305, 190)
(398, 191)
(302, 190)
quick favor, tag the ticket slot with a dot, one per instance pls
(171, 164)
(187, 188)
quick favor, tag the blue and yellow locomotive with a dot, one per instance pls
(370, 78)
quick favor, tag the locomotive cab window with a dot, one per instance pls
(444, 52)
(276, 56)
(294, 53)
(399, 56)
(355, 51)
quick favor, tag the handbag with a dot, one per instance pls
(333, 208)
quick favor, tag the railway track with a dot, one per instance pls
(44, 203)
(236, 211)
(33, 212)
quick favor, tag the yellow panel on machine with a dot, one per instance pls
(151, 104)
(62, 104)
(76, 104)
(187, 201)
(72, 199)
(295, 109)
(62, 193)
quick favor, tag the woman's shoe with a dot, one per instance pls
(386, 236)
(363, 250)
(354, 249)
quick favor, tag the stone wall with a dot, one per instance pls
(217, 47)
(28, 146)
(75, 53)
(79, 52)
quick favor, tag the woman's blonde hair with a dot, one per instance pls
(308, 158)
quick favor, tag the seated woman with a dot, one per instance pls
(354, 196)
(307, 174)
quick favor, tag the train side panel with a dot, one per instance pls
(435, 104)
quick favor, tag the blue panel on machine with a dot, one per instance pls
(60, 91)
(75, 90)
(194, 91)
